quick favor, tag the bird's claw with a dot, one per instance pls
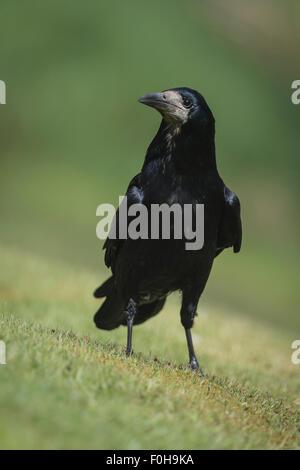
(129, 352)
(194, 366)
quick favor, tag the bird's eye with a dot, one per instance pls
(187, 102)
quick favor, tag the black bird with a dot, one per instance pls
(179, 168)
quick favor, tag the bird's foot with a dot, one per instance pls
(129, 352)
(195, 366)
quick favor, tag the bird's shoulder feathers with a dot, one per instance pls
(134, 195)
(230, 227)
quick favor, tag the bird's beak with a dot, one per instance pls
(168, 103)
(158, 101)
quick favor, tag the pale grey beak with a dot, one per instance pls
(156, 100)
(168, 103)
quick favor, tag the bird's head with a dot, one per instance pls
(180, 106)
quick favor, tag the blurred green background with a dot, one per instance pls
(73, 134)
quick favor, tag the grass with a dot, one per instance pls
(68, 385)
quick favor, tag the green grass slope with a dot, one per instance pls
(68, 385)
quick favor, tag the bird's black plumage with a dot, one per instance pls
(180, 167)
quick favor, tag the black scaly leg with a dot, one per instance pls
(188, 313)
(193, 360)
(130, 314)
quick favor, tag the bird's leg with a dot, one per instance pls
(188, 313)
(193, 360)
(130, 314)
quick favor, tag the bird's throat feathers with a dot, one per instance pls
(188, 146)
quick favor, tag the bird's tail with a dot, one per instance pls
(111, 313)
(146, 311)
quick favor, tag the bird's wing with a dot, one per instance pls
(230, 228)
(112, 246)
